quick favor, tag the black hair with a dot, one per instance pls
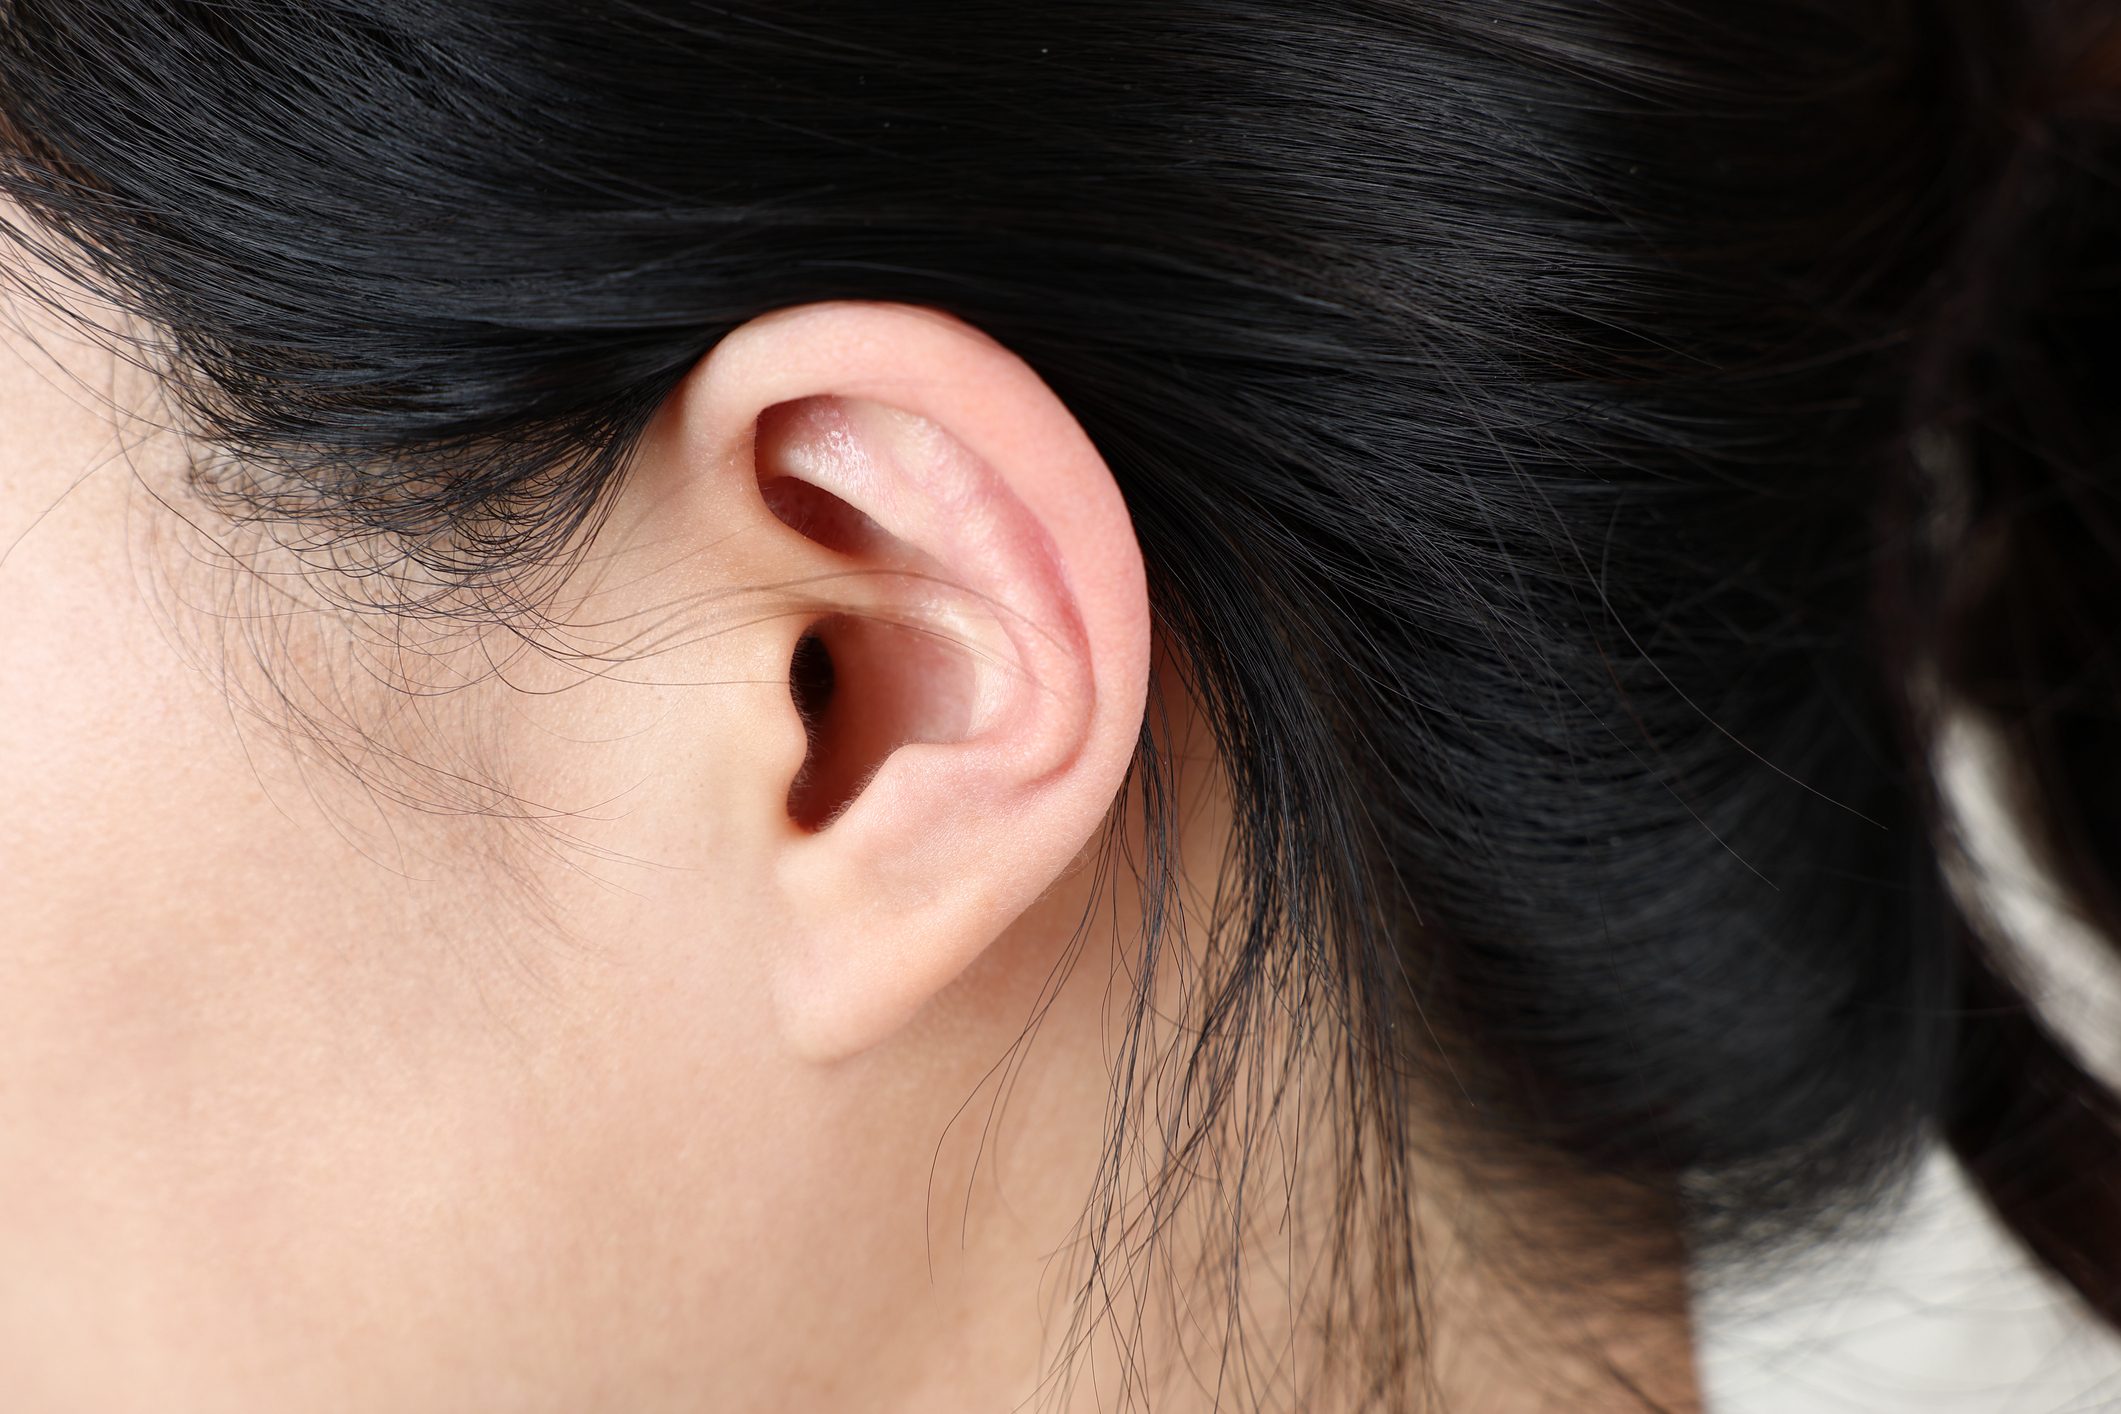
(1582, 453)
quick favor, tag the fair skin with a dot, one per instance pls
(506, 1043)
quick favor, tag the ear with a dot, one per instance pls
(967, 657)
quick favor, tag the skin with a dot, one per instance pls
(509, 1046)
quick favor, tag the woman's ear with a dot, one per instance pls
(967, 656)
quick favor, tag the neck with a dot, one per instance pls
(1253, 1283)
(1228, 1294)
(1236, 1272)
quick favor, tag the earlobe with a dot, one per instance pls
(970, 678)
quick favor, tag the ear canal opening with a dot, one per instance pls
(864, 687)
(812, 679)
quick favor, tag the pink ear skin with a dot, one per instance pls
(971, 682)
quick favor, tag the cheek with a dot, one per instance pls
(140, 863)
(237, 1071)
(108, 745)
(277, 1062)
(254, 1086)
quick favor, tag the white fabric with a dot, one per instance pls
(1939, 1313)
